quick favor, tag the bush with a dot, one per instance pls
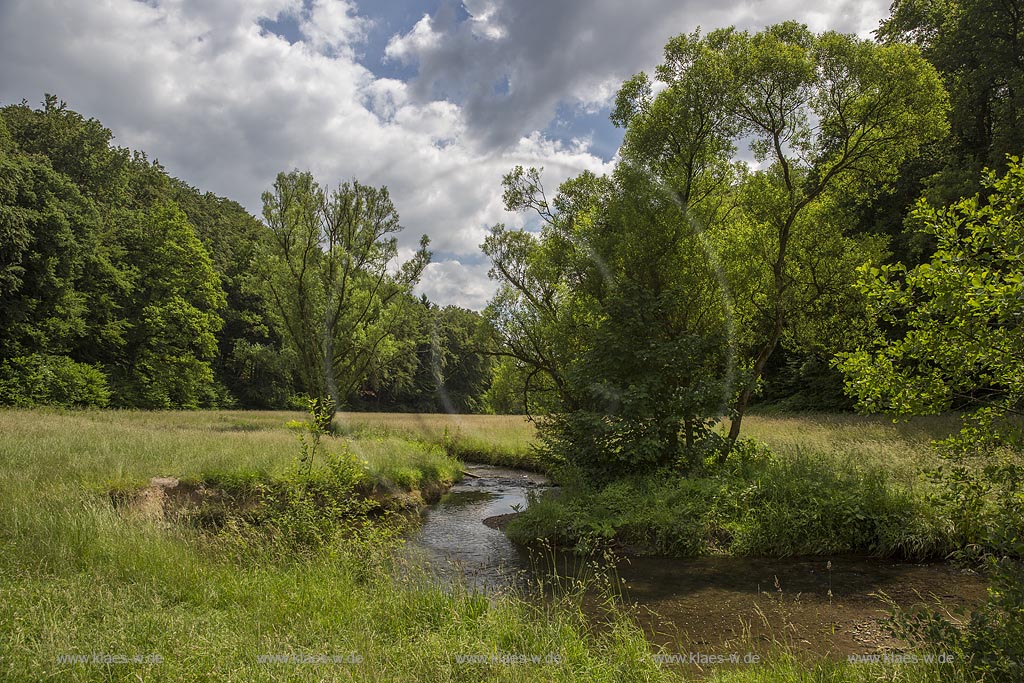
(37, 380)
(754, 504)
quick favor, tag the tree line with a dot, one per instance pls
(123, 286)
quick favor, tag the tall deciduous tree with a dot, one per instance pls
(823, 114)
(329, 275)
(615, 309)
(173, 313)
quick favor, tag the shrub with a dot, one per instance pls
(753, 504)
(36, 380)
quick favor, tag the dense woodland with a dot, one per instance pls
(124, 286)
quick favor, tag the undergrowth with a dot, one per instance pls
(755, 504)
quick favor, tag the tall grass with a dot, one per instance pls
(495, 439)
(77, 578)
(868, 441)
(832, 484)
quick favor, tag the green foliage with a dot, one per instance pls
(826, 116)
(77, 148)
(952, 335)
(99, 264)
(754, 504)
(613, 317)
(321, 412)
(49, 234)
(650, 300)
(173, 312)
(448, 372)
(976, 47)
(325, 273)
(803, 382)
(37, 380)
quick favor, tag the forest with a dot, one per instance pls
(802, 231)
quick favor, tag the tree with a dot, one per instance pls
(978, 48)
(951, 333)
(327, 272)
(465, 372)
(615, 307)
(173, 313)
(825, 115)
(76, 268)
(537, 319)
(444, 368)
(49, 231)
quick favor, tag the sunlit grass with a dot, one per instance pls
(76, 577)
(496, 439)
(900, 448)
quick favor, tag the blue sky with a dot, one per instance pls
(434, 98)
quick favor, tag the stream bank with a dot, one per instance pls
(828, 606)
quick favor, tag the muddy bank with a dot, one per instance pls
(208, 505)
(826, 606)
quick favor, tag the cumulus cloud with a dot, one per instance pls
(512, 63)
(226, 104)
(455, 281)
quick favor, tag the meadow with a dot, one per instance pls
(493, 439)
(83, 585)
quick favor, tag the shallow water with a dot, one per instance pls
(825, 605)
(453, 538)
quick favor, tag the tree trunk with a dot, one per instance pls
(740, 406)
(330, 381)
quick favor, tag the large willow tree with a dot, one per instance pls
(329, 276)
(612, 314)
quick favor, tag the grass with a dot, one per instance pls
(127, 448)
(779, 507)
(870, 442)
(832, 484)
(77, 578)
(492, 439)
(900, 448)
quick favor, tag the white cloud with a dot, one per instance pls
(453, 281)
(226, 105)
(332, 25)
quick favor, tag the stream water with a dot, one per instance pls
(826, 605)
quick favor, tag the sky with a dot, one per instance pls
(435, 99)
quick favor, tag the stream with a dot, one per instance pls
(829, 606)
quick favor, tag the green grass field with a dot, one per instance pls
(78, 579)
(492, 439)
(898, 447)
